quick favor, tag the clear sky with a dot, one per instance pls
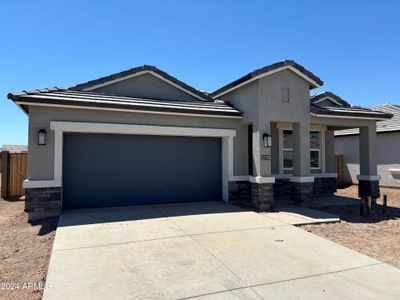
(353, 46)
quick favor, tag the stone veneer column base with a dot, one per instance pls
(239, 191)
(282, 189)
(324, 186)
(262, 195)
(368, 188)
(302, 193)
(43, 202)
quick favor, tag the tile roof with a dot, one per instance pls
(69, 97)
(331, 95)
(258, 72)
(353, 111)
(132, 71)
(390, 125)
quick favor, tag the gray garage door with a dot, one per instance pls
(102, 170)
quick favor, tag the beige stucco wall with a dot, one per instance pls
(387, 156)
(41, 158)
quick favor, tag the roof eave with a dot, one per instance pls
(350, 116)
(29, 101)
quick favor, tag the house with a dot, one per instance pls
(387, 148)
(142, 136)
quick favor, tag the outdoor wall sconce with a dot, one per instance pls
(267, 140)
(42, 137)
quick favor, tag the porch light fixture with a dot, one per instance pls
(42, 137)
(267, 140)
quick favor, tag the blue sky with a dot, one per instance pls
(353, 46)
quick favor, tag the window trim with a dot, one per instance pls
(288, 126)
(317, 149)
(319, 159)
(285, 149)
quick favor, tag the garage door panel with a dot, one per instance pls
(116, 170)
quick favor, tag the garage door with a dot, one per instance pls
(101, 170)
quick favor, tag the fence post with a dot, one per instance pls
(384, 204)
(4, 174)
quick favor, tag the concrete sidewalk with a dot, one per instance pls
(298, 215)
(205, 251)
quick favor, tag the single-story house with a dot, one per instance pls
(387, 148)
(142, 136)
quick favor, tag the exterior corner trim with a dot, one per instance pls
(302, 179)
(261, 179)
(34, 184)
(369, 177)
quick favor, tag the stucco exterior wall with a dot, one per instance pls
(262, 104)
(263, 98)
(146, 86)
(298, 107)
(245, 99)
(41, 158)
(387, 155)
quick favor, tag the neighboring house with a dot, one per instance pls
(387, 148)
(12, 149)
(142, 136)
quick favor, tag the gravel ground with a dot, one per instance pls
(377, 236)
(24, 252)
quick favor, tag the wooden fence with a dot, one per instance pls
(14, 171)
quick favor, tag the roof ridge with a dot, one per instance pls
(134, 70)
(266, 69)
(332, 95)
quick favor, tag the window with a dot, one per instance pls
(287, 149)
(315, 149)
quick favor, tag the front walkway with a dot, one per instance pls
(204, 250)
(298, 215)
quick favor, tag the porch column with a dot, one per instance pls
(302, 182)
(262, 181)
(368, 180)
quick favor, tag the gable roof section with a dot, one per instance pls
(268, 70)
(58, 97)
(390, 125)
(317, 98)
(113, 78)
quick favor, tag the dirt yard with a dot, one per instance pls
(24, 252)
(25, 248)
(377, 236)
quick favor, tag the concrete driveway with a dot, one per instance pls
(204, 251)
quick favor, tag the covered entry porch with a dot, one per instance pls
(294, 162)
